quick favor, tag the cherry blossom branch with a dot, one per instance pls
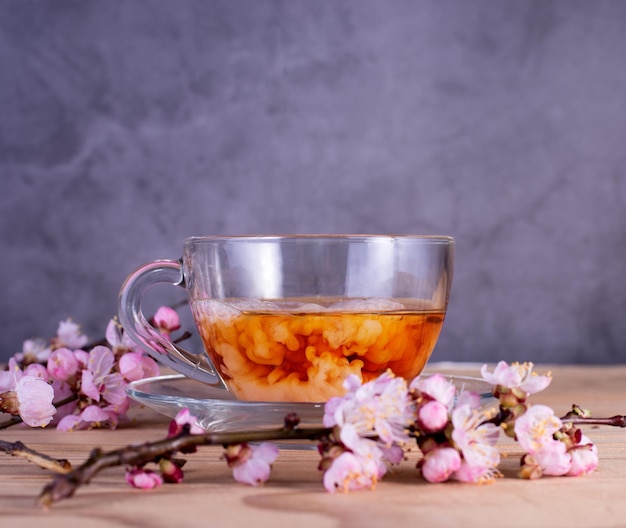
(579, 416)
(615, 421)
(44, 461)
(64, 486)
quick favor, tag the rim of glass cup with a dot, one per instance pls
(441, 239)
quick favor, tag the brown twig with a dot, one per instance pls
(64, 486)
(580, 416)
(615, 421)
(14, 420)
(18, 449)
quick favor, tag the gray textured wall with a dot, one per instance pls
(126, 126)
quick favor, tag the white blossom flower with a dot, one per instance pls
(516, 376)
(476, 441)
(69, 335)
(437, 387)
(34, 396)
(379, 408)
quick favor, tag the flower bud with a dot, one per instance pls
(170, 471)
(432, 416)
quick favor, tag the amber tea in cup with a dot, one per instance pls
(289, 318)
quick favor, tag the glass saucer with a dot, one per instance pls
(218, 410)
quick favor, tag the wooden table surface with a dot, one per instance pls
(295, 497)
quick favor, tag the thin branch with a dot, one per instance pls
(615, 421)
(64, 486)
(14, 420)
(580, 416)
(18, 449)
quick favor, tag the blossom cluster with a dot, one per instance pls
(456, 434)
(74, 385)
(370, 427)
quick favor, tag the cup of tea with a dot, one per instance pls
(288, 318)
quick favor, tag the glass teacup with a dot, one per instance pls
(288, 318)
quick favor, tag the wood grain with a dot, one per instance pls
(294, 496)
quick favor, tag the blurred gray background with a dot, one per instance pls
(127, 126)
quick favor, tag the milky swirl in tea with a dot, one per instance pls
(281, 351)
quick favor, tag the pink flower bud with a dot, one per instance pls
(432, 416)
(171, 472)
(439, 464)
(62, 364)
(37, 370)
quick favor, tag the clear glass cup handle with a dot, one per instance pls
(160, 347)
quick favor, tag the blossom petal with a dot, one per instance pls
(101, 361)
(143, 478)
(88, 387)
(35, 401)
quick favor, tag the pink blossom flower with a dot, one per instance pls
(366, 450)
(536, 427)
(394, 454)
(70, 422)
(63, 391)
(91, 417)
(34, 397)
(38, 371)
(33, 351)
(68, 335)
(251, 464)
(135, 365)
(166, 319)
(359, 462)
(62, 364)
(143, 478)
(380, 407)
(440, 463)
(98, 380)
(535, 431)
(7, 381)
(516, 376)
(28, 395)
(437, 387)
(553, 459)
(345, 474)
(182, 418)
(584, 458)
(118, 340)
(432, 416)
(476, 441)
(82, 357)
(9, 377)
(118, 409)
(470, 398)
